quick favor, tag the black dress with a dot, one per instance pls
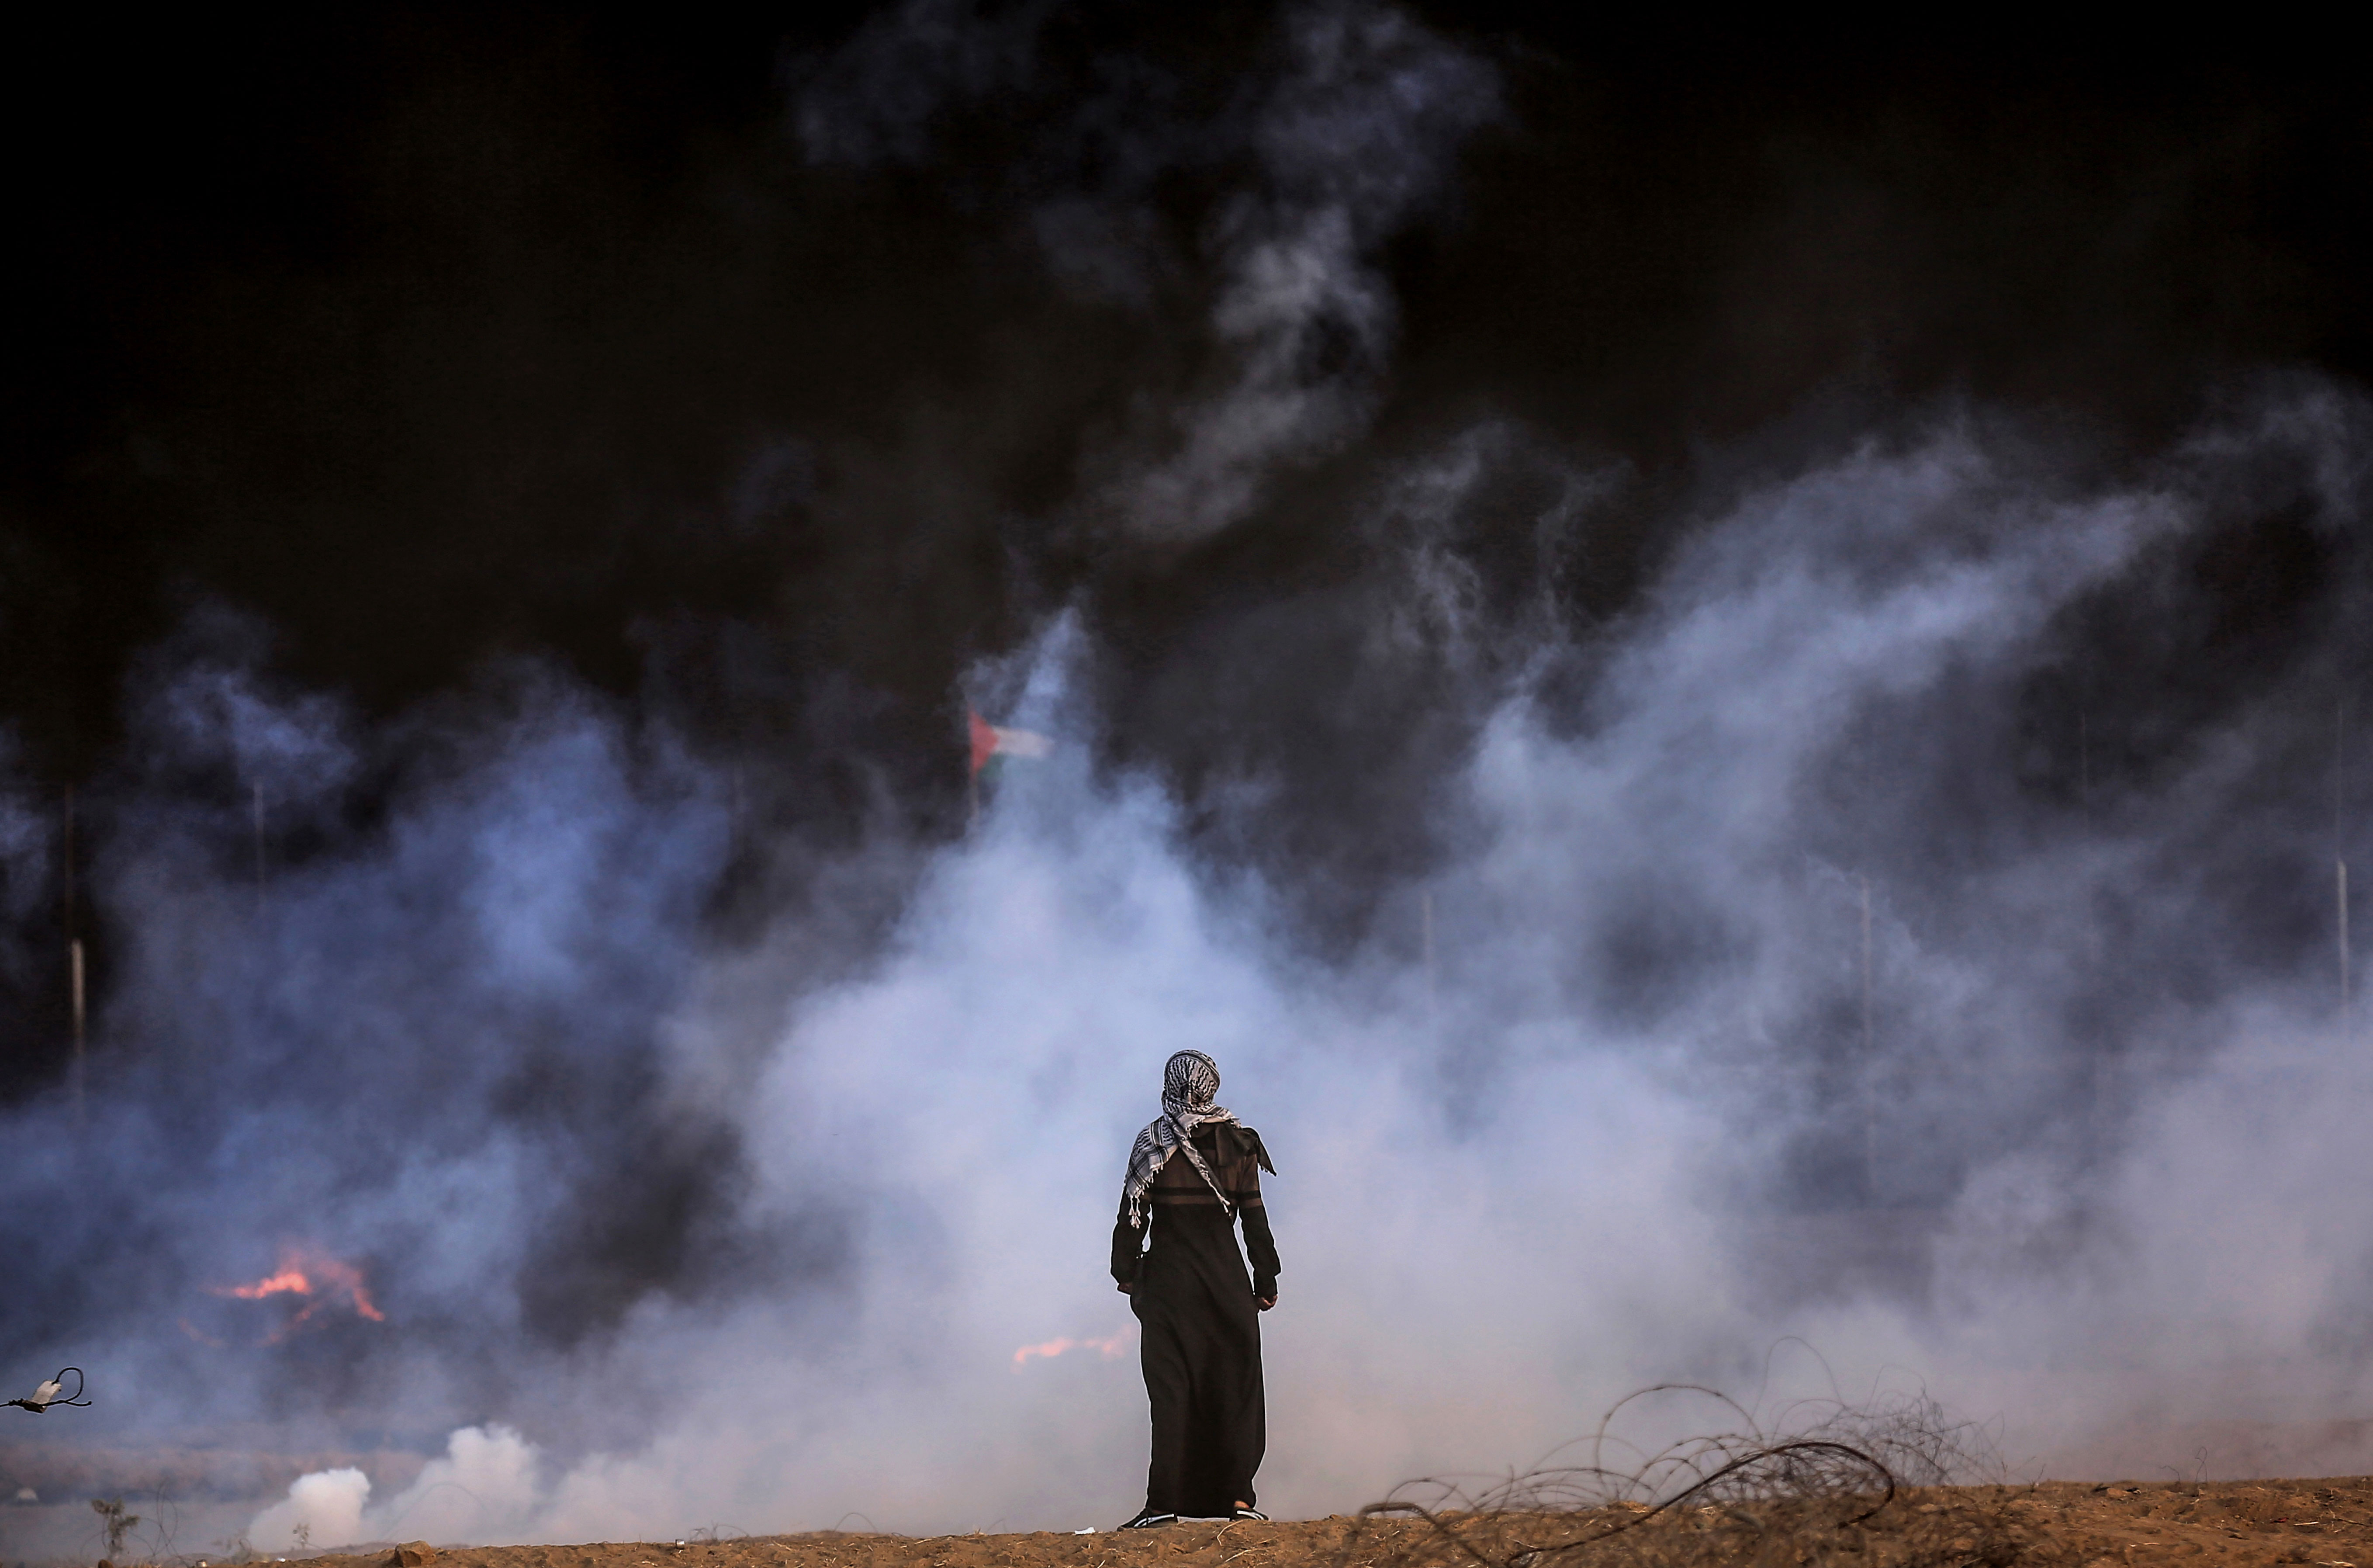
(1200, 1341)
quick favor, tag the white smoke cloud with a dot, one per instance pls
(1556, 1168)
(324, 1509)
(485, 1487)
(969, 1097)
(2075, 1152)
(1353, 138)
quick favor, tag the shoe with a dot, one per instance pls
(1247, 1513)
(1150, 1520)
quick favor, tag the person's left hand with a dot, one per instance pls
(1264, 1302)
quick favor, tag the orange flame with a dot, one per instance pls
(311, 1273)
(287, 1280)
(1053, 1348)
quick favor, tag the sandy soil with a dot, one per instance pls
(2328, 1521)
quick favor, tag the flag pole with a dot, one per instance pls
(2346, 1033)
(74, 957)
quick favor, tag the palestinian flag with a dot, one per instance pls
(993, 741)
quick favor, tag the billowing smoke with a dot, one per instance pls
(1911, 922)
(1344, 135)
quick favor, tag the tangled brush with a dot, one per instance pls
(1824, 1481)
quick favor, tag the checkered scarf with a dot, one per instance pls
(1189, 1082)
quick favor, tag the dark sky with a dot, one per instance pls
(432, 337)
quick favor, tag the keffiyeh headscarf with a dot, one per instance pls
(1188, 1084)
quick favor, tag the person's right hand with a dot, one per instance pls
(1264, 1302)
(1124, 1287)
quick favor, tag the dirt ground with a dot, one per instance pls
(2328, 1521)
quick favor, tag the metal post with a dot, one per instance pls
(74, 959)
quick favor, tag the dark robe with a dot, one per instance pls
(1200, 1342)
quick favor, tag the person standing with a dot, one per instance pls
(1193, 1173)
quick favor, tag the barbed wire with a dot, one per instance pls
(1808, 1480)
(48, 1393)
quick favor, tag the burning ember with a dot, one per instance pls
(1053, 1348)
(313, 1275)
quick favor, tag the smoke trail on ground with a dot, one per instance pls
(1908, 924)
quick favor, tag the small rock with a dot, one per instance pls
(412, 1554)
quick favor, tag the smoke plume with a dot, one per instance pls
(1875, 883)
